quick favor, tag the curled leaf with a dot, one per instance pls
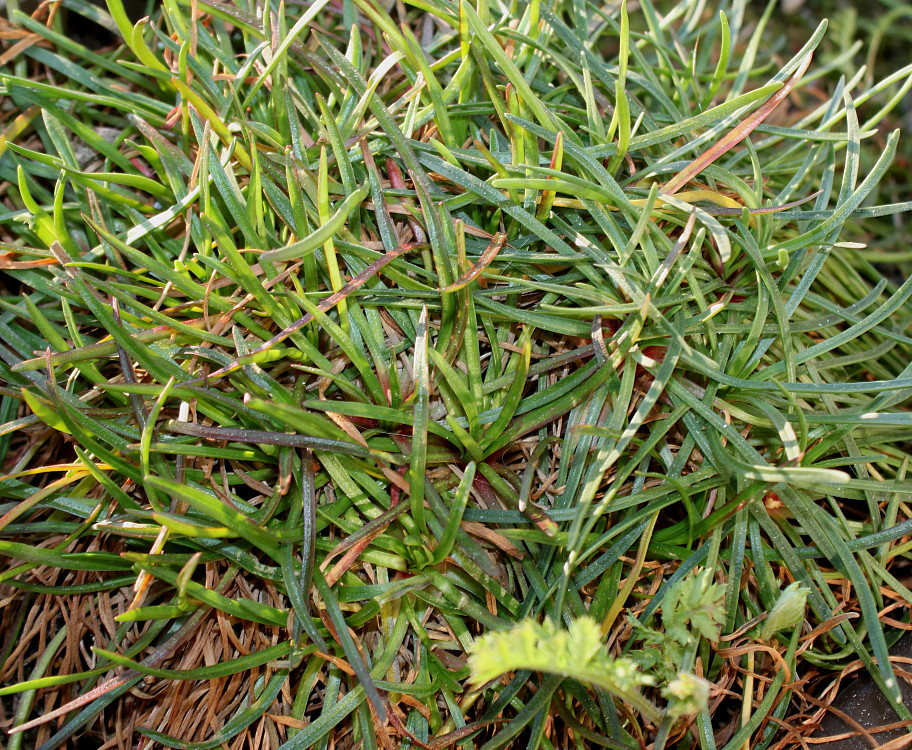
(787, 612)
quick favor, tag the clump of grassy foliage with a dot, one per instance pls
(337, 336)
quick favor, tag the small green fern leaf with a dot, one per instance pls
(576, 652)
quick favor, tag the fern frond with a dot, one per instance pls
(576, 652)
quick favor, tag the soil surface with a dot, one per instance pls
(863, 702)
